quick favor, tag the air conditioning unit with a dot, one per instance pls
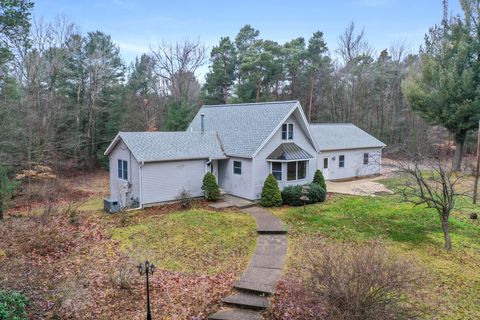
(111, 205)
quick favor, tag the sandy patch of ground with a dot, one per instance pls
(360, 187)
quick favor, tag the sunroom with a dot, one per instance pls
(289, 164)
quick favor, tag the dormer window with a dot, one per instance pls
(287, 131)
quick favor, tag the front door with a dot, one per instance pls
(326, 173)
(214, 168)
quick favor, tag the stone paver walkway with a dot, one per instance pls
(228, 201)
(260, 278)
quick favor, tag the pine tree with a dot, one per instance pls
(320, 180)
(271, 196)
(220, 78)
(210, 187)
(445, 91)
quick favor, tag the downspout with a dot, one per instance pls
(208, 162)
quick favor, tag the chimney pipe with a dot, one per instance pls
(202, 122)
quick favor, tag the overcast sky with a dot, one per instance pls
(137, 25)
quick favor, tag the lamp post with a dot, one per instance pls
(304, 197)
(147, 269)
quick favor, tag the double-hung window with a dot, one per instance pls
(365, 158)
(287, 131)
(277, 170)
(341, 161)
(123, 169)
(237, 167)
(296, 170)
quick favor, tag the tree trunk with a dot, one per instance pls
(457, 159)
(310, 103)
(1, 214)
(446, 233)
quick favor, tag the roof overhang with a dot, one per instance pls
(348, 149)
(289, 151)
(112, 144)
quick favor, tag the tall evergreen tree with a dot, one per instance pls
(295, 56)
(220, 78)
(445, 90)
(316, 58)
(14, 26)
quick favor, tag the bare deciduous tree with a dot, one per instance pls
(177, 66)
(431, 183)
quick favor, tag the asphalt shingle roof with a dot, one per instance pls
(163, 146)
(243, 127)
(289, 151)
(341, 136)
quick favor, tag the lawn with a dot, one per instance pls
(82, 265)
(195, 241)
(453, 278)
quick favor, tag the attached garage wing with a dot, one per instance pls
(163, 181)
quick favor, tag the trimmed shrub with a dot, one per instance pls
(317, 193)
(271, 196)
(210, 187)
(12, 305)
(291, 194)
(319, 179)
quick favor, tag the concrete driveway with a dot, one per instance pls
(359, 187)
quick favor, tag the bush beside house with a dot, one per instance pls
(291, 194)
(320, 180)
(317, 193)
(271, 196)
(210, 187)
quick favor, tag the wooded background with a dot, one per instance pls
(64, 94)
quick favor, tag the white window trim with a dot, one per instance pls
(281, 170)
(344, 160)
(288, 126)
(128, 174)
(234, 167)
(307, 163)
(368, 158)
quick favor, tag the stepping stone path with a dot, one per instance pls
(260, 278)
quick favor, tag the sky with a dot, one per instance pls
(136, 26)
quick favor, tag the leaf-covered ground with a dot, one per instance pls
(83, 266)
(195, 241)
(453, 279)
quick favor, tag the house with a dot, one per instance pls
(240, 144)
(346, 151)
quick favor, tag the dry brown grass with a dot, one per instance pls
(77, 271)
(341, 281)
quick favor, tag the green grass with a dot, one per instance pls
(453, 291)
(195, 241)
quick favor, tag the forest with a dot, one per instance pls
(65, 93)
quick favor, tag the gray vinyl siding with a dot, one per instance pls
(239, 185)
(354, 166)
(163, 181)
(118, 189)
(261, 167)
